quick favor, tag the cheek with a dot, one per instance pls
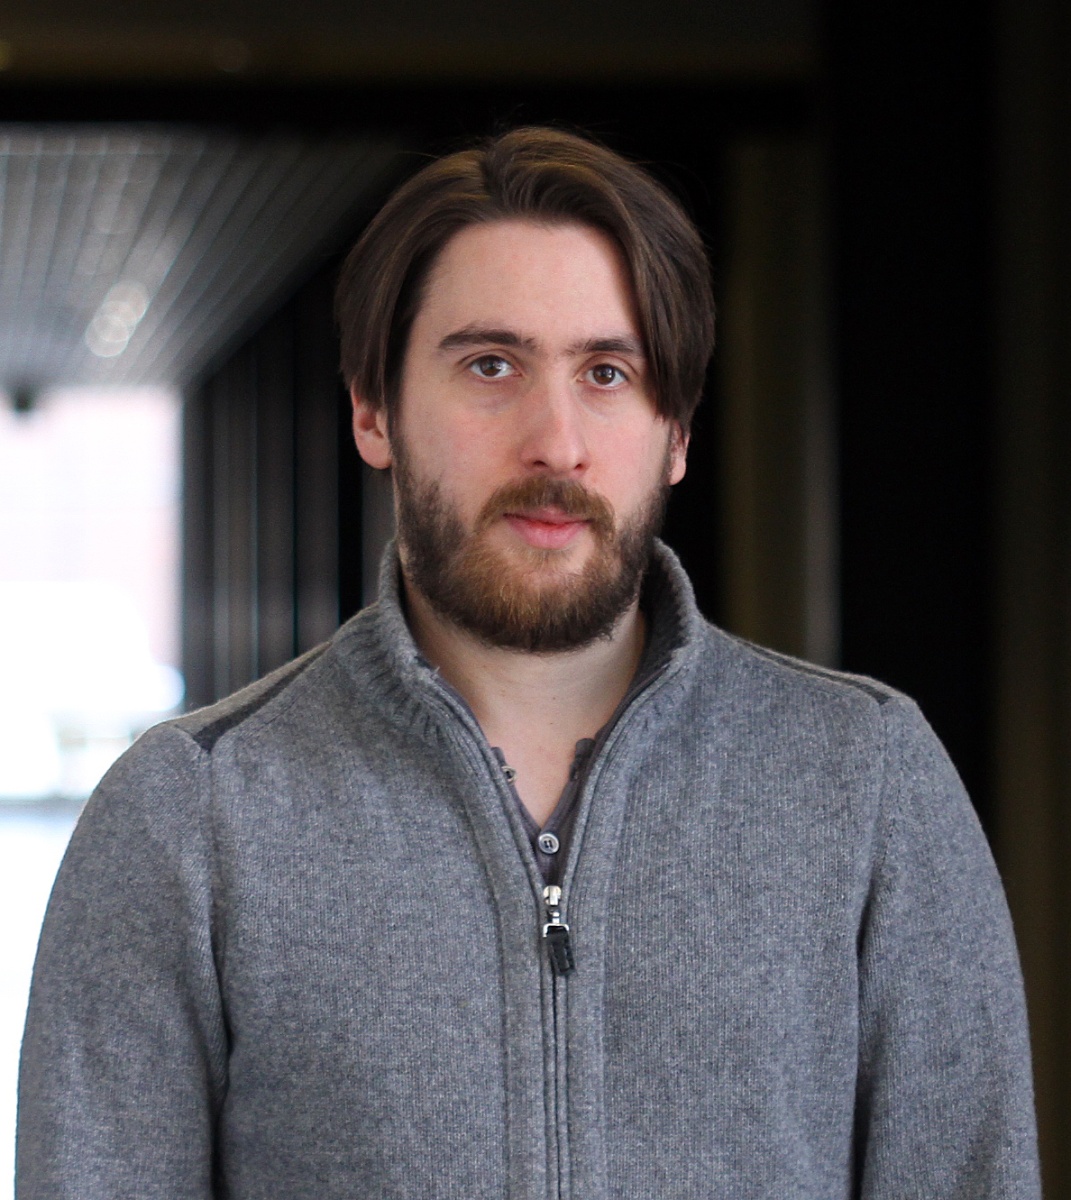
(638, 463)
(462, 463)
(438, 447)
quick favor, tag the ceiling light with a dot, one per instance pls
(113, 324)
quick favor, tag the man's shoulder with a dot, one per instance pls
(730, 671)
(307, 699)
(260, 701)
(768, 699)
(731, 661)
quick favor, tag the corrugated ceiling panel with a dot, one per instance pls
(133, 255)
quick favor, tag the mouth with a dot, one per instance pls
(546, 528)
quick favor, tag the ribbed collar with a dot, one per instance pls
(377, 646)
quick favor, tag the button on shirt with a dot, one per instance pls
(550, 840)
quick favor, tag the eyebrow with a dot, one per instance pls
(479, 335)
(608, 345)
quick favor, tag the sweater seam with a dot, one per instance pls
(828, 675)
(206, 824)
(209, 736)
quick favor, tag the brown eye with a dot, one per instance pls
(606, 375)
(491, 366)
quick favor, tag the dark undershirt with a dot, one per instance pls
(551, 840)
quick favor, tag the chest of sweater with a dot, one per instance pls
(389, 998)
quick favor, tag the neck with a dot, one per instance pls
(570, 694)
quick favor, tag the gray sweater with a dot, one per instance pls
(295, 951)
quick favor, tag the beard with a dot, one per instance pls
(525, 600)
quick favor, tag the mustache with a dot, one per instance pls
(566, 495)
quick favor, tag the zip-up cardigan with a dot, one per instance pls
(296, 950)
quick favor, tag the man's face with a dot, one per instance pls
(530, 465)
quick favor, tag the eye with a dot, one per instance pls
(606, 375)
(491, 366)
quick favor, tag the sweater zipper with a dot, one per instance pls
(559, 943)
(556, 933)
(560, 956)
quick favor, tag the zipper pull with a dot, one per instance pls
(556, 932)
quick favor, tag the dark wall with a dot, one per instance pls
(270, 506)
(448, 40)
(910, 92)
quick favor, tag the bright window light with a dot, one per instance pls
(89, 520)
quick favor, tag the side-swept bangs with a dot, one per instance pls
(549, 177)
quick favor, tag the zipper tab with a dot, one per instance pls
(556, 932)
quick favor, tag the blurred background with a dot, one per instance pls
(877, 477)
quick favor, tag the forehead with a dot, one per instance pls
(545, 281)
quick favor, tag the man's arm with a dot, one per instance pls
(945, 1106)
(124, 1056)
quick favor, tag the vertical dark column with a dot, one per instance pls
(273, 383)
(264, 558)
(694, 519)
(317, 398)
(910, 95)
(1034, 496)
(236, 534)
(777, 474)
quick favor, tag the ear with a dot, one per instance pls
(370, 431)
(678, 453)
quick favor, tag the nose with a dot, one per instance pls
(554, 440)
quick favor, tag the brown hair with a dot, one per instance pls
(551, 177)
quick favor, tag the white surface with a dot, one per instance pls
(31, 846)
(89, 534)
(79, 685)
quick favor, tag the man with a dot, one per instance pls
(530, 883)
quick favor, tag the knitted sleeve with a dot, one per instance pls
(124, 1056)
(945, 1104)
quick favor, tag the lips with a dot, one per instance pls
(545, 528)
(548, 514)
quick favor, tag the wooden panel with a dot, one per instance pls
(273, 394)
(1034, 542)
(318, 398)
(778, 471)
(262, 536)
